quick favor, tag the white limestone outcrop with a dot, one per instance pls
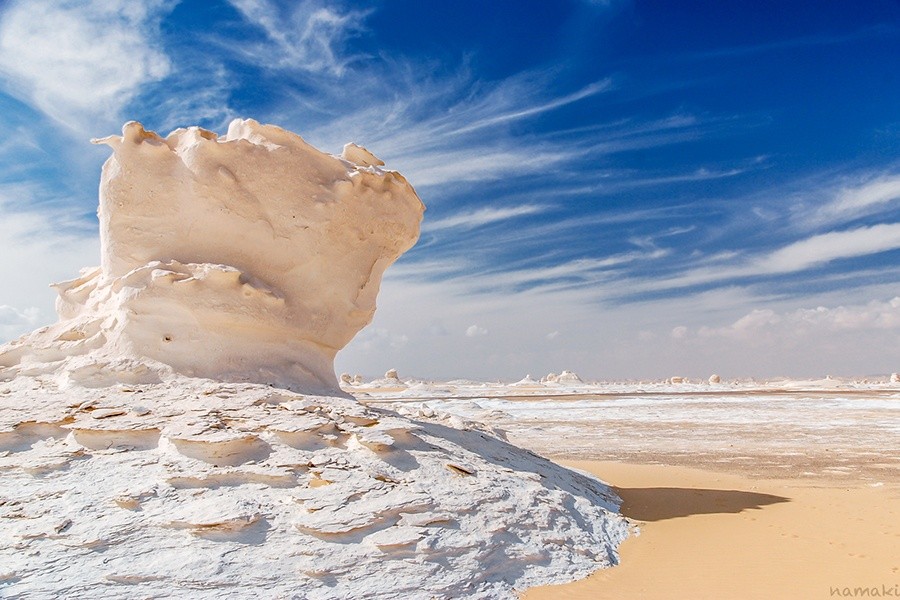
(250, 257)
(164, 439)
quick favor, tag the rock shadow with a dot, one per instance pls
(663, 503)
(224, 453)
(254, 535)
(25, 435)
(398, 458)
(104, 439)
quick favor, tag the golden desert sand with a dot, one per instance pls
(707, 534)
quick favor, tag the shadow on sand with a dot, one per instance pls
(661, 503)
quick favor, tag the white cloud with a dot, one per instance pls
(81, 62)
(380, 339)
(37, 249)
(586, 92)
(830, 246)
(14, 322)
(866, 198)
(439, 131)
(475, 331)
(308, 36)
(879, 191)
(474, 163)
(798, 256)
(875, 315)
(679, 332)
(701, 174)
(582, 271)
(483, 216)
(192, 101)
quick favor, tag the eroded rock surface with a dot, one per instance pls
(201, 489)
(250, 257)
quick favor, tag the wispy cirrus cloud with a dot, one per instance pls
(308, 35)
(446, 165)
(821, 39)
(871, 196)
(798, 256)
(827, 247)
(483, 216)
(522, 113)
(665, 262)
(458, 128)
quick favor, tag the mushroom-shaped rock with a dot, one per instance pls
(715, 379)
(247, 257)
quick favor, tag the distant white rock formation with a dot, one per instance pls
(550, 378)
(527, 380)
(248, 257)
(392, 374)
(895, 377)
(715, 379)
(568, 377)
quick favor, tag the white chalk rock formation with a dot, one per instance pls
(568, 377)
(145, 453)
(526, 381)
(250, 257)
(713, 379)
(895, 377)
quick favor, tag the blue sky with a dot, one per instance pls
(625, 189)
